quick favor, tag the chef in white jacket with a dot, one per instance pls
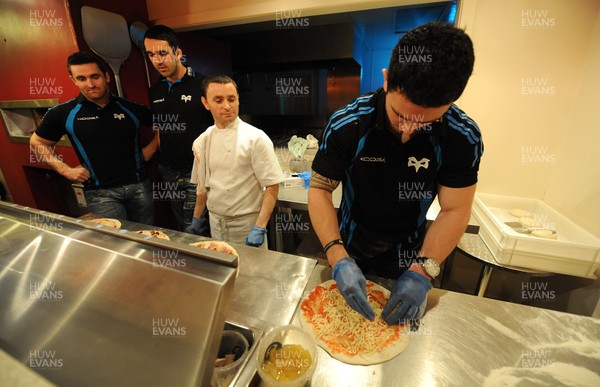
(236, 169)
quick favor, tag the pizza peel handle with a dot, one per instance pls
(137, 31)
(107, 34)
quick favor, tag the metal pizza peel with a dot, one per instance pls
(107, 35)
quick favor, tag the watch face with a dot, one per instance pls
(432, 267)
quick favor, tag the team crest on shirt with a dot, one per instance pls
(186, 98)
(119, 116)
(413, 162)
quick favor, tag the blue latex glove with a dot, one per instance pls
(256, 237)
(306, 177)
(352, 284)
(408, 293)
(196, 226)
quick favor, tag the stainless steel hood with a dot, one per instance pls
(86, 305)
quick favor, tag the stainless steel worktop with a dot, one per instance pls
(268, 286)
(84, 304)
(464, 340)
(266, 291)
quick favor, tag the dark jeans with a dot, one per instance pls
(131, 202)
(175, 187)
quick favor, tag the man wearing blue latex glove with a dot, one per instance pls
(394, 151)
(408, 295)
(197, 226)
(256, 237)
(352, 284)
(235, 167)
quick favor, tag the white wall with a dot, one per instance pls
(575, 184)
(534, 93)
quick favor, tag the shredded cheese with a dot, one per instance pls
(343, 329)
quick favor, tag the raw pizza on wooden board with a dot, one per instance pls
(222, 247)
(344, 333)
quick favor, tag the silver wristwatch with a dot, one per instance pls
(430, 266)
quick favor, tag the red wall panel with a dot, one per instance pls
(35, 39)
(37, 36)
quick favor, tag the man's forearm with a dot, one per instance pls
(44, 151)
(46, 154)
(149, 150)
(200, 204)
(267, 206)
(324, 217)
(445, 232)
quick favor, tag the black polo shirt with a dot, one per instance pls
(180, 116)
(388, 185)
(106, 139)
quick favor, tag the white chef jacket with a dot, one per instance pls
(234, 165)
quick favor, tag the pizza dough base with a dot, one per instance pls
(160, 234)
(549, 234)
(109, 222)
(384, 355)
(519, 213)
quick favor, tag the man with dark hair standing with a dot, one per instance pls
(395, 150)
(104, 132)
(179, 118)
(236, 169)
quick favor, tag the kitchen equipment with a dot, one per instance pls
(288, 357)
(232, 344)
(574, 252)
(87, 304)
(106, 34)
(137, 30)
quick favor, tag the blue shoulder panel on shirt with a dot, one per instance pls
(344, 116)
(70, 127)
(463, 124)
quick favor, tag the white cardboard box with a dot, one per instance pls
(574, 252)
(292, 181)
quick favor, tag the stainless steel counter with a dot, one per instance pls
(268, 286)
(83, 304)
(267, 289)
(465, 340)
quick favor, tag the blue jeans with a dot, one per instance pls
(131, 202)
(175, 187)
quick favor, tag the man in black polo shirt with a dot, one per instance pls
(103, 130)
(179, 118)
(395, 150)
